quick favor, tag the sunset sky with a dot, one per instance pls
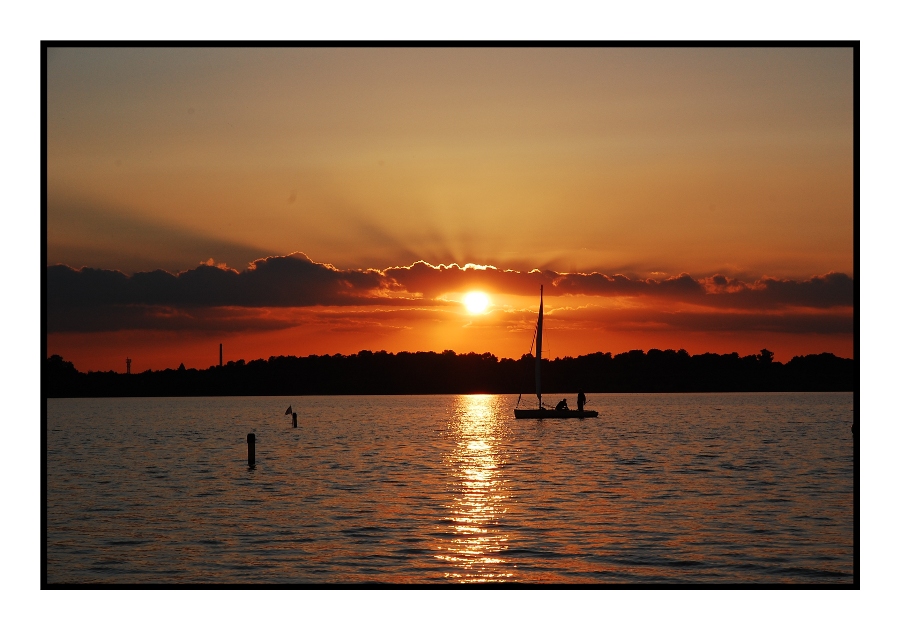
(323, 200)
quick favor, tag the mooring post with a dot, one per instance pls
(251, 449)
(294, 416)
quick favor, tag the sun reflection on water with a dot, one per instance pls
(479, 492)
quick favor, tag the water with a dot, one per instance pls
(661, 488)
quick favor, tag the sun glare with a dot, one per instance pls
(476, 301)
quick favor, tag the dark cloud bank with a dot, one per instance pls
(98, 299)
(832, 289)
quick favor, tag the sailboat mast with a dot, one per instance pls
(537, 351)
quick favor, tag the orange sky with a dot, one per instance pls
(581, 162)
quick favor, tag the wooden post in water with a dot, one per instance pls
(294, 416)
(251, 449)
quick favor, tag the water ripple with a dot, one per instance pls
(708, 488)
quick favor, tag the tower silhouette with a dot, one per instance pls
(127, 365)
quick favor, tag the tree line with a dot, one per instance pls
(451, 373)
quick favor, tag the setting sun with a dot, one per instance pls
(476, 301)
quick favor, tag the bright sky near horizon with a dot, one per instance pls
(613, 171)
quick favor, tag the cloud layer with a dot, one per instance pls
(274, 281)
(211, 296)
(832, 289)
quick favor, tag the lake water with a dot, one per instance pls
(661, 488)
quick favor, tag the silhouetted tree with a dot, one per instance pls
(448, 372)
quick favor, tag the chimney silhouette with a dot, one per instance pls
(127, 365)
(220, 355)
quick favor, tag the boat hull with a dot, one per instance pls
(553, 413)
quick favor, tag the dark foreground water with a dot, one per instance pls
(667, 488)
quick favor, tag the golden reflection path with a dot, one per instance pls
(479, 492)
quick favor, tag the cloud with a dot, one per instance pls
(434, 280)
(832, 289)
(217, 297)
(292, 280)
(117, 317)
(682, 287)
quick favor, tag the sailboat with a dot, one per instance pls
(541, 412)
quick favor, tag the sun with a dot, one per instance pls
(476, 301)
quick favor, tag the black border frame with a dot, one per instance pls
(854, 44)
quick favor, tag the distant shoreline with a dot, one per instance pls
(405, 373)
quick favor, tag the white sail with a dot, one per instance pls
(537, 349)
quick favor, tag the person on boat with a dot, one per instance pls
(581, 401)
(562, 405)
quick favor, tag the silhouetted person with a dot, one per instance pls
(581, 401)
(562, 405)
